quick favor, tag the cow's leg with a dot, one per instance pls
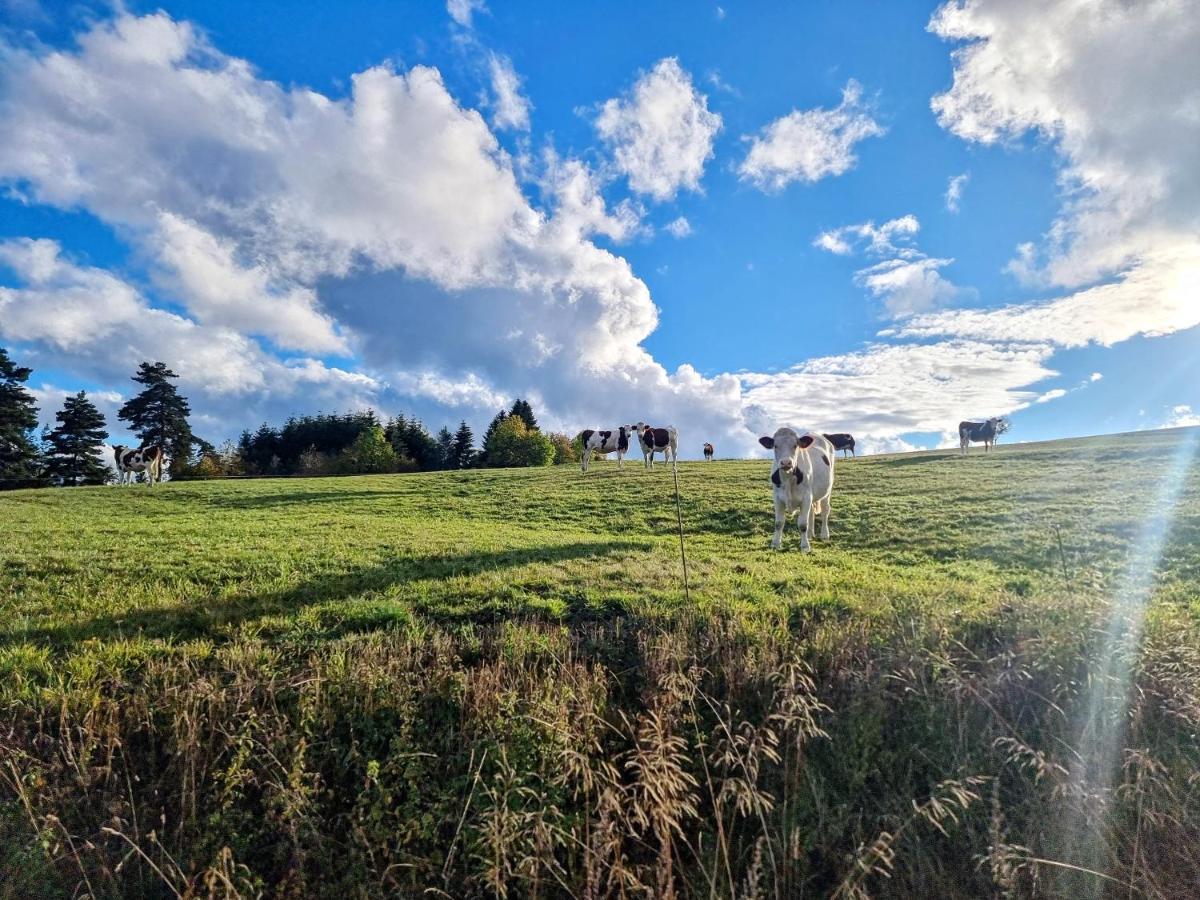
(806, 520)
(825, 519)
(780, 521)
(587, 455)
(620, 459)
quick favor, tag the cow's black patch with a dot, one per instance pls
(768, 442)
(622, 439)
(804, 528)
(824, 459)
(799, 477)
(587, 436)
(775, 478)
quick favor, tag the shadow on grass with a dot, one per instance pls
(203, 619)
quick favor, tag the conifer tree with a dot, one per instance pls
(445, 445)
(464, 452)
(525, 411)
(74, 444)
(18, 417)
(159, 414)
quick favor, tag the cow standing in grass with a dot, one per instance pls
(979, 433)
(708, 452)
(802, 478)
(841, 441)
(658, 440)
(615, 440)
(131, 460)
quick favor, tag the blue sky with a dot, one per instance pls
(724, 217)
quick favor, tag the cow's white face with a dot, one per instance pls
(787, 446)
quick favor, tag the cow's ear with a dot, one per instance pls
(768, 442)
(806, 441)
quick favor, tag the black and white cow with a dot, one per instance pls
(842, 441)
(615, 440)
(131, 460)
(658, 440)
(977, 432)
(802, 479)
(708, 451)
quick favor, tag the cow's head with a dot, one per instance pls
(787, 446)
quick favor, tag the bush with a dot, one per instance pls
(370, 453)
(564, 449)
(513, 445)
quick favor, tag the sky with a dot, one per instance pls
(879, 218)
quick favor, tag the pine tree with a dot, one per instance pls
(464, 452)
(445, 443)
(489, 438)
(75, 442)
(159, 414)
(18, 417)
(525, 411)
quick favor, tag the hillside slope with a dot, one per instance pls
(491, 681)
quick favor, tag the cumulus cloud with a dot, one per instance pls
(868, 237)
(511, 108)
(1094, 377)
(954, 190)
(808, 145)
(1182, 416)
(661, 132)
(1116, 87)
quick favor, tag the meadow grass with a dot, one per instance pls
(490, 683)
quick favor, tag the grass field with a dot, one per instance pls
(491, 683)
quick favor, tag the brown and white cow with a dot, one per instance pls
(708, 451)
(658, 440)
(979, 432)
(802, 479)
(131, 460)
(614, 440)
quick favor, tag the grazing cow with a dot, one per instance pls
(131, 460)
(616, 439)
(708, 452)
(842, 441)
(802, 477)
(978, 432)
(658, 440)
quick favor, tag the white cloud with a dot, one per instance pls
(1182, 416)
(679, 227)
(661, 132)
(908, 282)
(808, 145)
(511, 108)
(1051, 395)
(1095, 376)
(954, 190)
(461, 11)
(889, 390)
(720, 13)
(1116, 87)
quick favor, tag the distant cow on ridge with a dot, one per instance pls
(658, 440)
(616, 439)
(708, 451)
(979, 433)
(842, 441)
(131, 460)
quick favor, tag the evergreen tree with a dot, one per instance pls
(159, 414)
(445, 442)
(422, 447)
(18, 417)
(464, 451)
(75, 442)
(525, 411)
(489, 438)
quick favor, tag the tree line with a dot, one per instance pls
(321, 444)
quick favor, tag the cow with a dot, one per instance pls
(708, 452)
(802, 479)
(842, 441)
(658, 440)
(131, 460)
(978, 432)
(616, 439)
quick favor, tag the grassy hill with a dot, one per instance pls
(491, 682)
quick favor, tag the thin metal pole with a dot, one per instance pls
(679, 518)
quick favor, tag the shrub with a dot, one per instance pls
(513, 444)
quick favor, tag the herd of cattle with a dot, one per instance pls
(802, 473)
(801, 476)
